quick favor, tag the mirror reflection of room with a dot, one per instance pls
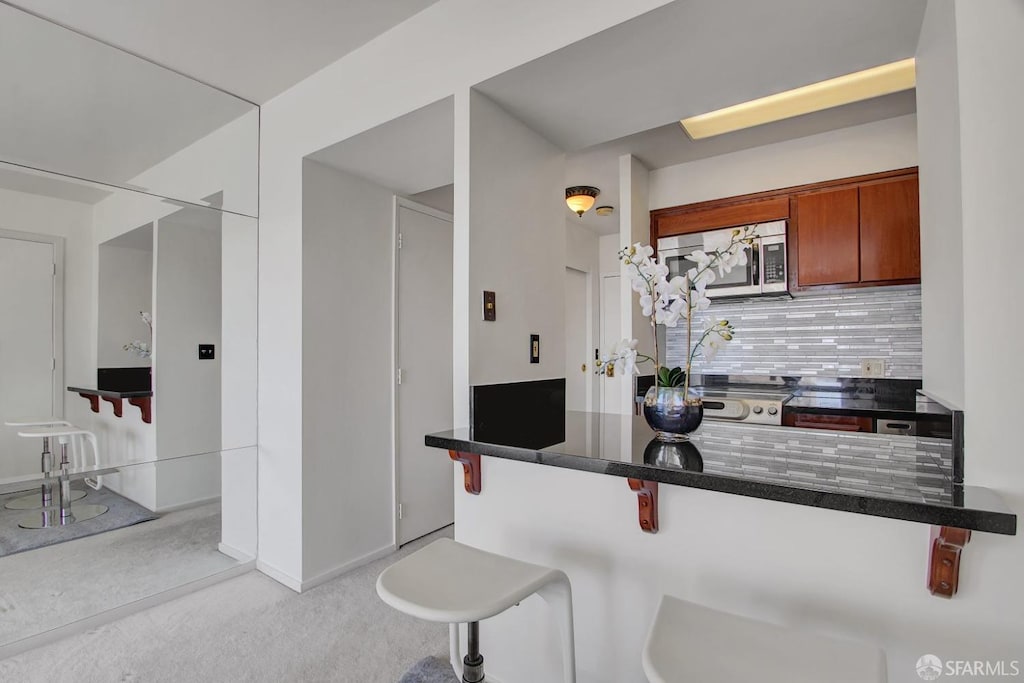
(127, 348)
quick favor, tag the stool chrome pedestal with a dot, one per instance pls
(453, 583)
(64, 513)
(44, 498)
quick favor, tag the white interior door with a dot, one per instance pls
(424, 355)
(578, 354)
(27, 353)
(611, 387)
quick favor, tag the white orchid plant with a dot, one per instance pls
(669, 301)
(138, 347)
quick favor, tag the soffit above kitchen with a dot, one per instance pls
(696, 56)
(255, 49)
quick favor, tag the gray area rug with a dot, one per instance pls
(430, 670)
(121, 513)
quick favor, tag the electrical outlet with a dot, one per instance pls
(872, 367)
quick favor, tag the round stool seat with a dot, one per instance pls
(52, 431)
(689, 642)
(454, 583)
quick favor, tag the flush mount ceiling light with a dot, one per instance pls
(861, 85)
(581, 197)
(604, 210)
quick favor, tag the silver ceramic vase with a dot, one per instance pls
(671, 414)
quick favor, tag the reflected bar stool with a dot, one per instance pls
(45, 497)
(65, 513)
(689, 642)
(452, 583)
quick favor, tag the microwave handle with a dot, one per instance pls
(757, 267)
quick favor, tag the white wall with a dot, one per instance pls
(187, 390)
(319, 112)
(347, 371)
(582, 252)
(942, 267)
(33, 213)
(125, 289)
(634, 226)
(516, 247)
(868, 148)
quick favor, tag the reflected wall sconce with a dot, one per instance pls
(580, 198)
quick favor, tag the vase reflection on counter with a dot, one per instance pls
(682, 455)
(671, 413)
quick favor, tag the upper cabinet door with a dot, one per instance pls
(890, 231)
(828, 238)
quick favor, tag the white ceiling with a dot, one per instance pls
(252, 48)
(623, 91)
(695, 56)
(45, 185)
(75, 106)
(409, 155)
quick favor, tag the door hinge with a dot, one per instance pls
(398, 375)
(53, 363)
(55, 270)
(399, 510)
(399, 240)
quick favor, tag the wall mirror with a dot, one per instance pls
(78, 107)
(128, 276)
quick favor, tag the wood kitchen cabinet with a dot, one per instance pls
(860, 235)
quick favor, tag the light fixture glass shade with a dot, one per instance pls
(862, 85)
(580, 198)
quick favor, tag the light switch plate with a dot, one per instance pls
(872, 367)
(490, 306)
(534, 348)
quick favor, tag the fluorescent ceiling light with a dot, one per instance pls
(862, 85)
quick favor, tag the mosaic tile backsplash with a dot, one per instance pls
(908, 468)
(823, 335)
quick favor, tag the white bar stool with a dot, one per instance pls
(45, 497)
(453, 583)
(692, 643)
(65, 513)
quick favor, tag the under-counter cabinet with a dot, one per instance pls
(859, 235)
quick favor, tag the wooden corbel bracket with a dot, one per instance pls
(94, 401)
(145, 406)
(117, 403)
(470, 469)
(647, 501)
(944, 559)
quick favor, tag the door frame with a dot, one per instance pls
(592, 322)
(400, 202)
(57, 243)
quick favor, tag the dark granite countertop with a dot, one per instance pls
(107, 393)
(898, 477)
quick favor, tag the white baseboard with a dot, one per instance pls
(89, 623)
(279, 576)
(347, 567)
(235, 554)
(186, 505)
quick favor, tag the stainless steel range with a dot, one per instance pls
(735, 404)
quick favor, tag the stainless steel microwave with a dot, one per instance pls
(765, 274)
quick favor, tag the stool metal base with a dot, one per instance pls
(34, 501)
(50, 517)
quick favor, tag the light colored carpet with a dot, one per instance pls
(249, 628)
(60, 584)
(120, 513)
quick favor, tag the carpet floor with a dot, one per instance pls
(249, 628)
(60, 584)
(120, 513)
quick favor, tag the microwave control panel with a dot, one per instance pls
(774, 256)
